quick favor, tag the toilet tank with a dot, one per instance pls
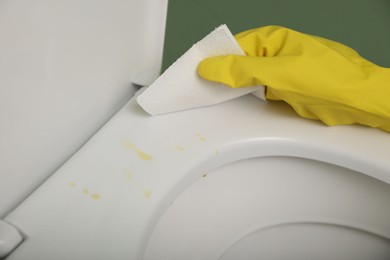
(66, 67)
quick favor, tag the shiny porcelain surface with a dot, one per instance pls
(106, 200)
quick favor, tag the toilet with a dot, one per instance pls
(244, 179)
(203, 185)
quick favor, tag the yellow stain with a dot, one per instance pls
(202, 138)
(147, 194)
(142, 155)
(85, 191)
(95, 196)
(216, 152)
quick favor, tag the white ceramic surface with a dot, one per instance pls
(106, 200)
(65, 69)
(277, 208)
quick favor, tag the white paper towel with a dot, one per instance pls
(180, 87)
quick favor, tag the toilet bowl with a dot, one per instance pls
(241, 180)
(277, 207)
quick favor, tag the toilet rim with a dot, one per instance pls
(342, 156)
(346, 157)
(359, 227)
(269, 131)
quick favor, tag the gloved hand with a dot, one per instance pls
(319, 78)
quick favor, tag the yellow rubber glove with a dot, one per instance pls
(319, 78)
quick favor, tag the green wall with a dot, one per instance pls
(361, 24)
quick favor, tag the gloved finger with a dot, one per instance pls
(270, 41)
(267, 41)
(244, 71)
(234, 71)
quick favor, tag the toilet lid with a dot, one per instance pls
(104, 202)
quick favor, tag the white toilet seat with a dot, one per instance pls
(105, 201)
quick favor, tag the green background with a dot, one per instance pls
(361, 24)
